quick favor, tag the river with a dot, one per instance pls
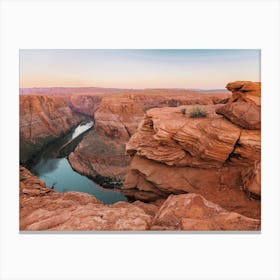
(57, 172)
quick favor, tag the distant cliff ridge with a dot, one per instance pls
(102, 90)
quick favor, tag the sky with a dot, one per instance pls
(144, 68)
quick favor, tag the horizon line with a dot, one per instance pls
(121, 88)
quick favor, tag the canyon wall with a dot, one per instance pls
(85, 104)
(217, 156)
(43, 119)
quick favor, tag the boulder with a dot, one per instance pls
(194, 212)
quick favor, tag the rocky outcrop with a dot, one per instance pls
(193, 212)
(43, 119)
(170, 137)
(211, 156)
(243, 108)
(42, 208)
(148, 180)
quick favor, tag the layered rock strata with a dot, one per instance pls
(211, 156)
(243, 108)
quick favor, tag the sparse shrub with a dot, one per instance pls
(197, 112)
(183, 111)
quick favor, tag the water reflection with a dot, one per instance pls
(58, 173)
(45, 166)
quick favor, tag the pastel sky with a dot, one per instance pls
(162, 68)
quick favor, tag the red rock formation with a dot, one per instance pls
(211, 156)
(193, 212)
(148, 180)
(170, 137)
(118, 118)
(243, 108)
(97, 155)
(42, 208)
(43, 119)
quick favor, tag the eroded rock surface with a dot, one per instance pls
(170, 137)
(97, 155)
(243, 108)
(116, 120)
(42, 208)
(43, 119)
(211, 156)
(193, 212)
(102, 152)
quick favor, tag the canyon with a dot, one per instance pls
(178, 172)
(42, 120)
(102, 154)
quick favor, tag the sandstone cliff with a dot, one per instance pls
(216, 156)
(43, 119)
(42, 208)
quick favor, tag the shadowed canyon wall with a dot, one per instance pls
(42, 120)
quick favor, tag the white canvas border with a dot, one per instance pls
(140, 24)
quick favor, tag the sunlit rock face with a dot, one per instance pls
(213, 156)
(243, 108)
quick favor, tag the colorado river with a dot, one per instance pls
(57, 172)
